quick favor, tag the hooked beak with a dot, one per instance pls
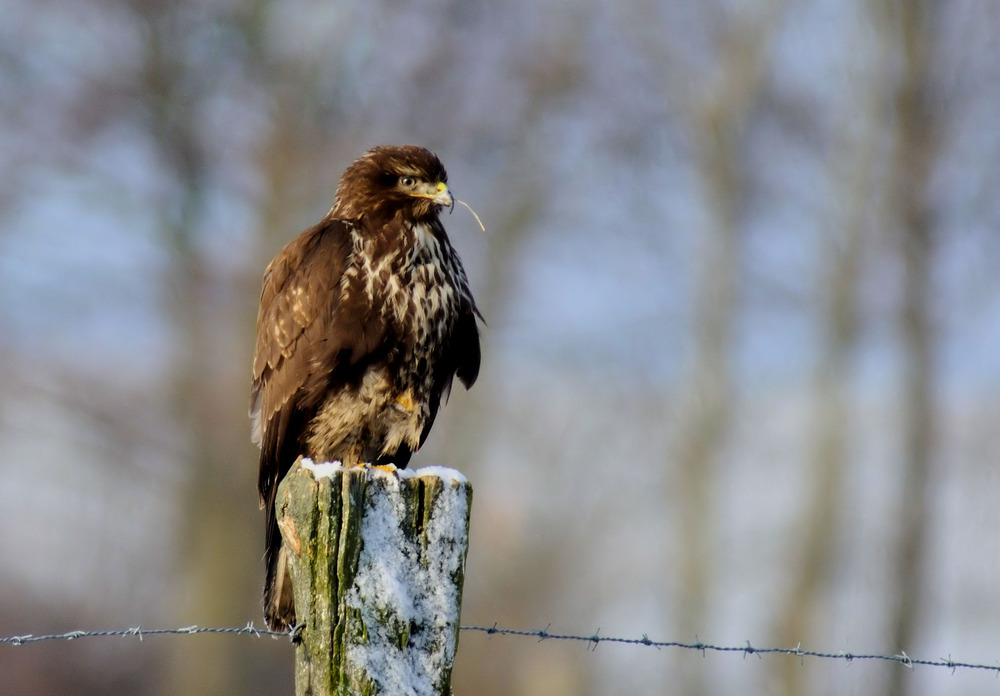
(438, 193)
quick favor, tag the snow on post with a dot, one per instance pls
(377, 562)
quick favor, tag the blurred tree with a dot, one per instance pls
(722, 108)
(207, 309)
(918, 135)
(804, 616)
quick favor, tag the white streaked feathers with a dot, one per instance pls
(415, 295)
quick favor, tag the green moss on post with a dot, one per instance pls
(377, 562)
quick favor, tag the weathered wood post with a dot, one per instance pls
(377, 562)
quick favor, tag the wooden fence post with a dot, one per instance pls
(377, 562)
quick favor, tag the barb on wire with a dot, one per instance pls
(542, 634)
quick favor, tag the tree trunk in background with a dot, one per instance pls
(702, 426)
(805, 612)
(706, 409)
(217, 561)
(803, 615)
(913, 158)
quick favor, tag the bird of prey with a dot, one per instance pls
(364, 321)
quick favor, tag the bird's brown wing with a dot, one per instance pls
(307, 330)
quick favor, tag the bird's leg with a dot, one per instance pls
(353, 457)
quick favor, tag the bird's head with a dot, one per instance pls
(393, 179)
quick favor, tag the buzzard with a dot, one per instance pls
(364, 321)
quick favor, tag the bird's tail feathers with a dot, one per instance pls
(279, 603)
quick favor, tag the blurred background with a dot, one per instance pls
(742, 365)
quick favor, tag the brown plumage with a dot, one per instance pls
(364, 321)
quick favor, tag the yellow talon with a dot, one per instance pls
(406, 401)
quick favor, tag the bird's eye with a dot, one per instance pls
(407, 181)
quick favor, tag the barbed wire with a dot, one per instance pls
(543, 634)
(747, 649)
(140, 633)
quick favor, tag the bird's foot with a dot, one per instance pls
(389, 468)
(405, 401)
